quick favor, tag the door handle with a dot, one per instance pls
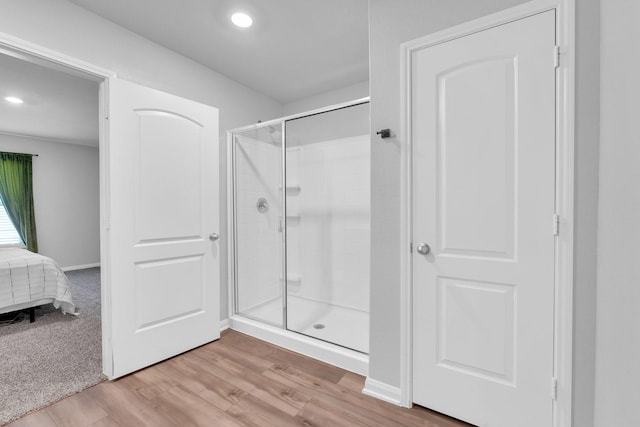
(214, 236)
(423, 248)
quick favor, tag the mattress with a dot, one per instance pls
(28, 279)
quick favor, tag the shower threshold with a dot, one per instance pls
(342, 357)
(336, 324)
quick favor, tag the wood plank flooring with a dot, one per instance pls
(235, 381)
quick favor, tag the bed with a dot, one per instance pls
(29, 280)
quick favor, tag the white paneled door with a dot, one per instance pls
(163, 225)
(483, 133)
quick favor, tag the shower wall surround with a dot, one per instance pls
(330, 221)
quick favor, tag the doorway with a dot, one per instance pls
(57, 127)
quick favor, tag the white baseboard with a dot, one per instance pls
(224, 325)
(80, 267)
(382, 391)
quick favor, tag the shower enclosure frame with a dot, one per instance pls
(332, 353)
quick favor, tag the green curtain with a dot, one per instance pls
(16, 190)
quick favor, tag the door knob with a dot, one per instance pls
(214, 236)
(423, 249)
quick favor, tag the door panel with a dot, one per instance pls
(483, 134)
(162, 135)
(476, 328)
(160, 277)
(486, 183)
(163, 156)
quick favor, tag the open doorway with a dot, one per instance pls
(57, 124)
(147, 259)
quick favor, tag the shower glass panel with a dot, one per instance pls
(328, 226)
(258, 224)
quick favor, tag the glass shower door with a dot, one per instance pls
(257, 193)
(328, 226)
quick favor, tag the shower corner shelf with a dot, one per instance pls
(292, 189)
(294, 283)
(293, 219)
(293, 279)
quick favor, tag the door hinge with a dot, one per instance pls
(556, 56)
(556, 224)
(554, 388)
(410, 247)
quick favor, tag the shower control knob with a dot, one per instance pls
(214, 236)
(262, 205)
(423, 249)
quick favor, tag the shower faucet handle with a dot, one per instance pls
(262, 205)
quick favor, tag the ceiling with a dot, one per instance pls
(56, 105)
(295, 49)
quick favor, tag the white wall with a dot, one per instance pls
(66, 198)
(329, 126)
(587, 140)
(348, 93)
(69, 29)
(618, 327)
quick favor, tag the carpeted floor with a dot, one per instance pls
(58, 355)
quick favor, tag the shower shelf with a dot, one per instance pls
(294, 279)
(294, 282)
(293, 219)
(292, 189)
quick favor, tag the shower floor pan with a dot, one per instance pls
(336, 324)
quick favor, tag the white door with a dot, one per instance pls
(483, 129)
(163, 169)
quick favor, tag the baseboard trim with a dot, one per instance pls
(81, 267)
(382, 391)
(224, 325)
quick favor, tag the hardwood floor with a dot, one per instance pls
(235, 381)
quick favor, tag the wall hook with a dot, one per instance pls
(384, 133)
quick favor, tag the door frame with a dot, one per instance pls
(38, 54)
(564, 197)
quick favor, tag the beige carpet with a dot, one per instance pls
(58, 355)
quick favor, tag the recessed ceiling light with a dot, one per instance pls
(241, 20)
(13, 100)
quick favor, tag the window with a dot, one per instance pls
(8, 233)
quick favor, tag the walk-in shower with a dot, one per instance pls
(300, 227)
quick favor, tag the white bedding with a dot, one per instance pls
(28, 279)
